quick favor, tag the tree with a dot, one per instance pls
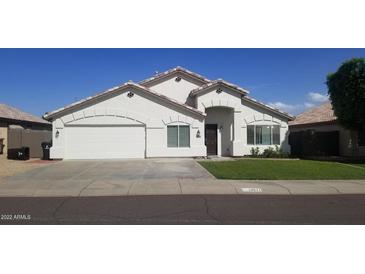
(346, 88)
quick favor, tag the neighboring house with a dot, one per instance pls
(321, 120)
(19, 129)
(177, 113)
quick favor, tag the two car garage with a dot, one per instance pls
(105, 142)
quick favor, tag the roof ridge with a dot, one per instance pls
(248, 98)
(47, 115)
(218, 81)
(172, 70)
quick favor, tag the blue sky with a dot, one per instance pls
(40, 80)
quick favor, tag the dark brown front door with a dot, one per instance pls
(211, 139)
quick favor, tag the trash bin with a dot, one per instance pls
(46, 146)
(23, 153)
(2, 145)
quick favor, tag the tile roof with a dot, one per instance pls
(216, 83)
(321, 114)
(49, 115)
(261, 104)
(174, 70)
(143, 86)
(244, 97)
(11, 113)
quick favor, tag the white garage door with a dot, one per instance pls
(105, 142)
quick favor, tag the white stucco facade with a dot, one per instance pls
(131, 121)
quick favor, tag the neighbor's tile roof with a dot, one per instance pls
(11, 113)
(49, 115)
(174, 70)
(321, 114)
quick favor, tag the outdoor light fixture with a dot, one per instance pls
(198, 134)
(57, 134)
(178, 79)
(221, 128)
(130, 94)
(219, 90)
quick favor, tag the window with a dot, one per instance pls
(178, 136)
(172, 136)
(250, 135)
(263, 135)
(276, 135)
(361, 137)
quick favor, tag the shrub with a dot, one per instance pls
(255, 152)
(269, 153)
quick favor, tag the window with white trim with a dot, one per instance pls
(263, 135)
(178, 136)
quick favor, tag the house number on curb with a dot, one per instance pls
(251, 189)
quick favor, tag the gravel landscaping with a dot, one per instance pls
(12, 167)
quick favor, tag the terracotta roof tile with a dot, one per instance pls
(171, 71)
(216, 83)
(320, 114)
(49, 115)
(261, 104)
(11, 113)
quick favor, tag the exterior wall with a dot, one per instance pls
(142, 108)
(244, 113)
(30, 135)
(4, 135)
(177, 90)
(27, 137)
(345, 148)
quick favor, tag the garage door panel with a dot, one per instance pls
(109, 142)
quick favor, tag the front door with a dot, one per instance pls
(211, 138)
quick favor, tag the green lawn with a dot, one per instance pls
(282, 170)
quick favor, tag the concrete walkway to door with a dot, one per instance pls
(153, 177)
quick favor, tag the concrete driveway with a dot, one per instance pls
(154, 177)
(142, 169)
(108, 177)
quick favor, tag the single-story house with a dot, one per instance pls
(19, 129)
(177, 113)
(321, 121)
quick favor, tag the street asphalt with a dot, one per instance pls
(185, 209)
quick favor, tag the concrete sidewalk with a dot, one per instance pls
(177, 186)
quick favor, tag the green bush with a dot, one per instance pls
(269, 153)
(255, 152)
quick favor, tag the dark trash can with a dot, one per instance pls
(46, 147)
(2, 145)
(24, 153)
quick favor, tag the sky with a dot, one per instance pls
(41, 80)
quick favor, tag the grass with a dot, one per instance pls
(282, 170)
